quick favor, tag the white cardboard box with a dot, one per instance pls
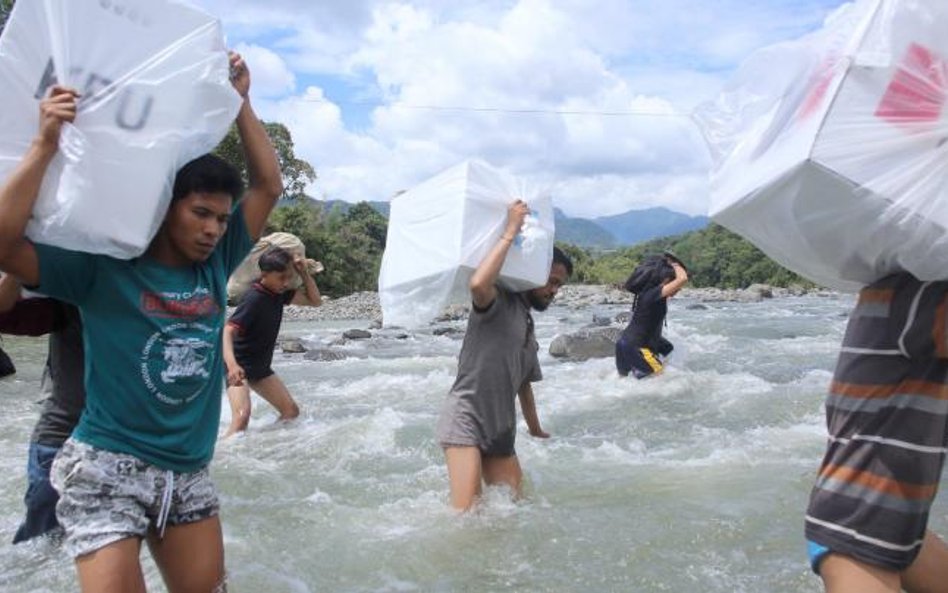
(830, 152)
(440, 230)
(154, 80)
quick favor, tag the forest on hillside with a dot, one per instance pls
(715, 257)
(350, 243)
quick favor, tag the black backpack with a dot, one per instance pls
(651, 271)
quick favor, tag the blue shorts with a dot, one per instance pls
(816, 552)
(40, 498)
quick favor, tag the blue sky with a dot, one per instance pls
(370, 89)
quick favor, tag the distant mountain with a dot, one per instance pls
(637, 226)
(581, 231)
(629, 228)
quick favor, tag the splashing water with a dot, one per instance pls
(695, 480)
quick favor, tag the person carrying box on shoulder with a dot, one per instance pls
(136, 466)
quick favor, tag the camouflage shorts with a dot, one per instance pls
(106, 497)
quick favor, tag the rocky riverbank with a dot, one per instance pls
(595, 340)
(365, 305)
(359, 305)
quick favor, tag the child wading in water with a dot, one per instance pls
(251, 332)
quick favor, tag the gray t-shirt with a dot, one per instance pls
(63, 381)
(498, 356)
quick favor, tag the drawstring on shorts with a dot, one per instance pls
(165, 503)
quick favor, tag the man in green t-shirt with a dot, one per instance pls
(136, 466)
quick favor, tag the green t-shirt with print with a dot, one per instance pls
(152, 339)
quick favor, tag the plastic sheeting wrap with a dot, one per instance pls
(830, 152)
(439, 231)
(249, 269)
(154, 80)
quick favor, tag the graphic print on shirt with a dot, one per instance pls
(176, 360)
(184, 359)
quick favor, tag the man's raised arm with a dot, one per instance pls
(265, 178)
(19, 191)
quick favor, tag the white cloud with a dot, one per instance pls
(270, 75)
(617, 194)
(656, 57)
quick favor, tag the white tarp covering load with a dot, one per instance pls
(439, 231)
(830, 152)
(154, 80)
(249, 270)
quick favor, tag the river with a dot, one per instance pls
(692, 481)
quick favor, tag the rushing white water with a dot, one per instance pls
(692, 481)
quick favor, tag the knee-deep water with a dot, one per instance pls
(695, 480)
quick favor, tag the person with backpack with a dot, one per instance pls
(641, 349)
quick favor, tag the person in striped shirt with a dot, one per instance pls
(887, 417)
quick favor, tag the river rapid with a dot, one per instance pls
(692, 481)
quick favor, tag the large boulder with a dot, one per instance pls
(599, 342)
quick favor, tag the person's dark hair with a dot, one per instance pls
(560, 257)
(208, 173)
(274, 259)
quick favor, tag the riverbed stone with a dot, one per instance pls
(584, 344)
(764, 290)
(601, 320)
(446, 330)
(292, 346)
(325, 355)
(356, 334)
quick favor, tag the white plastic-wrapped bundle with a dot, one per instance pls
(249, 270)
(154, 80)
(439, 231)
(830, 152)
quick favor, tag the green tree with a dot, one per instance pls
(5, 7)
(301, 218)
(366, 219)
(355, 243)
(349, 242)
(297, 173)
(582, 262)
(715, 257)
